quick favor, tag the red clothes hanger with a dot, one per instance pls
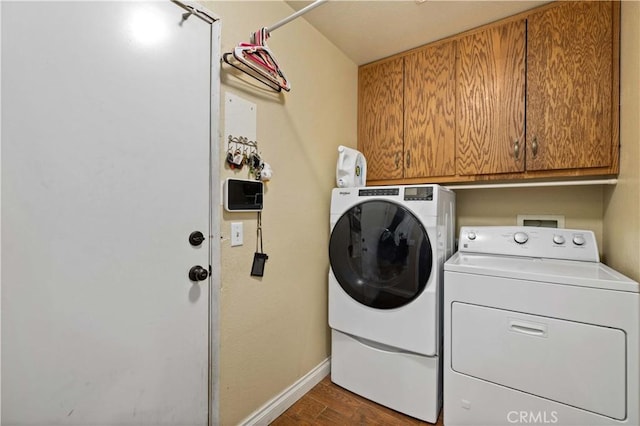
(255, 58)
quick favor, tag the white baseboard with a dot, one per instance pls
(278, 405)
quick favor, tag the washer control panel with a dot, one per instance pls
(553, 243)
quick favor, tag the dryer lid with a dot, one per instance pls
(568, 272)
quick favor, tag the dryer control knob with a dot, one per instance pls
(471, 235)
(578, 240)
(520, 237)
(558, 239)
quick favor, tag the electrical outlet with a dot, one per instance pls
(236, 234)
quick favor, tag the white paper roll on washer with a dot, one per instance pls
(351, 169)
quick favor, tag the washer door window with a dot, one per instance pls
(380, 254)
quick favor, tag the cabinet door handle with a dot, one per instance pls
(516, 149)
(408, 159)
(534, 146)
(398, 156)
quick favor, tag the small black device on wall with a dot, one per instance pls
(243, 195)
(257, 268)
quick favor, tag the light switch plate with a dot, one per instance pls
(236, 234)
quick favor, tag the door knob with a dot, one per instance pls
(196, 238)
(198, 273)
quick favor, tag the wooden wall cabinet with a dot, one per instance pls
(406, 114)
(380, 118)
(429, 111)
(570, 86)
(534, 96)
(490, 100)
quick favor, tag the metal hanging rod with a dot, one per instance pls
(533, 184)
(295, 15)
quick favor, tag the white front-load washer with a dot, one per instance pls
(538, 331)
(387, 250)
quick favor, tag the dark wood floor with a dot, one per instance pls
(329, 404)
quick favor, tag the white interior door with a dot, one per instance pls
(106, 111)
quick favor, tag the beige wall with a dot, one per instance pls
(622, 203)
(274, 330)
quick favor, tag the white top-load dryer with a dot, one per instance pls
(387, 250)
(538, 331)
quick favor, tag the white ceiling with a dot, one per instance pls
(368, 30)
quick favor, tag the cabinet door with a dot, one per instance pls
(569, 83)
(490, 100)
(380, 118)
(429, 111)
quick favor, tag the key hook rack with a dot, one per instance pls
(234, 142)
(240, 146)
(242, 152)
(256, 59)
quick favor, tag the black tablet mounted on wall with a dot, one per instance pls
(242, 195)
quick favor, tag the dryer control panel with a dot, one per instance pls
(552, 243)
